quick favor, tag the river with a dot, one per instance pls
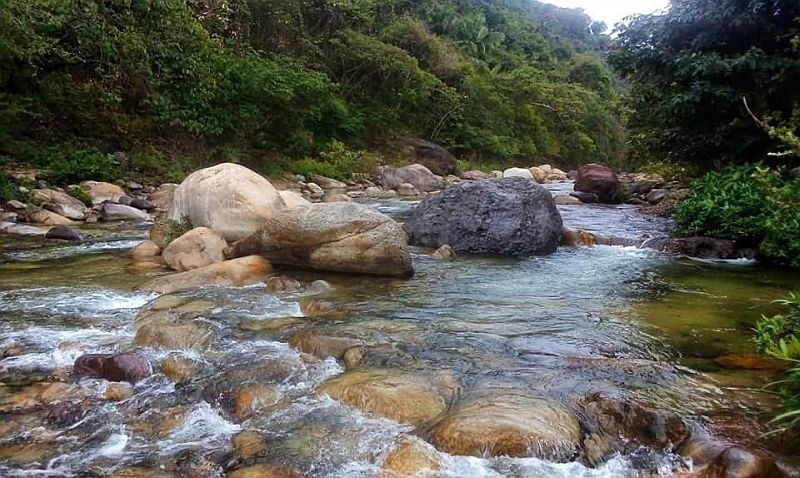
(628, 322)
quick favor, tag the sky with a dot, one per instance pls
(612, 11)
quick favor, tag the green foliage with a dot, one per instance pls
(502, 81)
(751, 205)
(175, 228)
(80, 195)
(690, 68)
(670, 171)
(68, 167)
(336, 161)
(779, 337)
(8, 190)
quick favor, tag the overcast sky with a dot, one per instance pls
(612, 11)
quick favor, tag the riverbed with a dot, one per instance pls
(628, 322)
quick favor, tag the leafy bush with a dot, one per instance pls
(175, 228)
(750, 205)
(336, 161)
(75, 166)
(779, 337)
(80, 195)
(7, 187)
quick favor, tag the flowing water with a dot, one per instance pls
(629, 322)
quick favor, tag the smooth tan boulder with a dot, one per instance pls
(60, 203)
(230, 199)
(322, 346)
(145, 250)
(236, 272)
(101, 192)
(538, 175)
(48, 218)
(411, 457)
(509, 425)
(264, 471)
(197, 248)
(517, 173)
(293, 199)
(403, 397)
(174, 336)
(338, 237)
(416, 174)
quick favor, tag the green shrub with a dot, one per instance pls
(78, 165)
(336, 161)
(8, 189)
(80, 195)
(175, 228)
(750, 205)
(729, 204)
(779, 337)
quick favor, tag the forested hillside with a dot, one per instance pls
(262, 81)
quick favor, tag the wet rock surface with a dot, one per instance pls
(512, 216)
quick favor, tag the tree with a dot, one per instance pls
(690, 68)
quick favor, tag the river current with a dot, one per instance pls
(629, 322)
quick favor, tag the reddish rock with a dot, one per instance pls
(599, 180)
(124, 367)
(751, 362)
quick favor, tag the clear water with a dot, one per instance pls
(622, 320)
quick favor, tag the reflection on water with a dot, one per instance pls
(625, 321)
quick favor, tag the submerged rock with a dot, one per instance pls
(264, 471)
(512, 425)
(145, 250)
(599, 180)
(230, 199)
(411, 457)
(197, 248)
(404, 397)
(174, 336)
(511, 216)
(123, 367)
(235, 272)
(614, 425)
(443, 253)
(323, 346)
(701, 247)
(339, 237)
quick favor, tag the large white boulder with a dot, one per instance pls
(228, 198)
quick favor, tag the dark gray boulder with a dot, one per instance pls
(510, 216)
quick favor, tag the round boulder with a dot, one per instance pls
(518, 173)
(228, 198)
(509, 425)
(599, 180)
(416, 174)
(510, 216)
(197, 248)
(404, 397)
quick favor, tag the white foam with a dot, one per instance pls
(203, 427)
(67, 301)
